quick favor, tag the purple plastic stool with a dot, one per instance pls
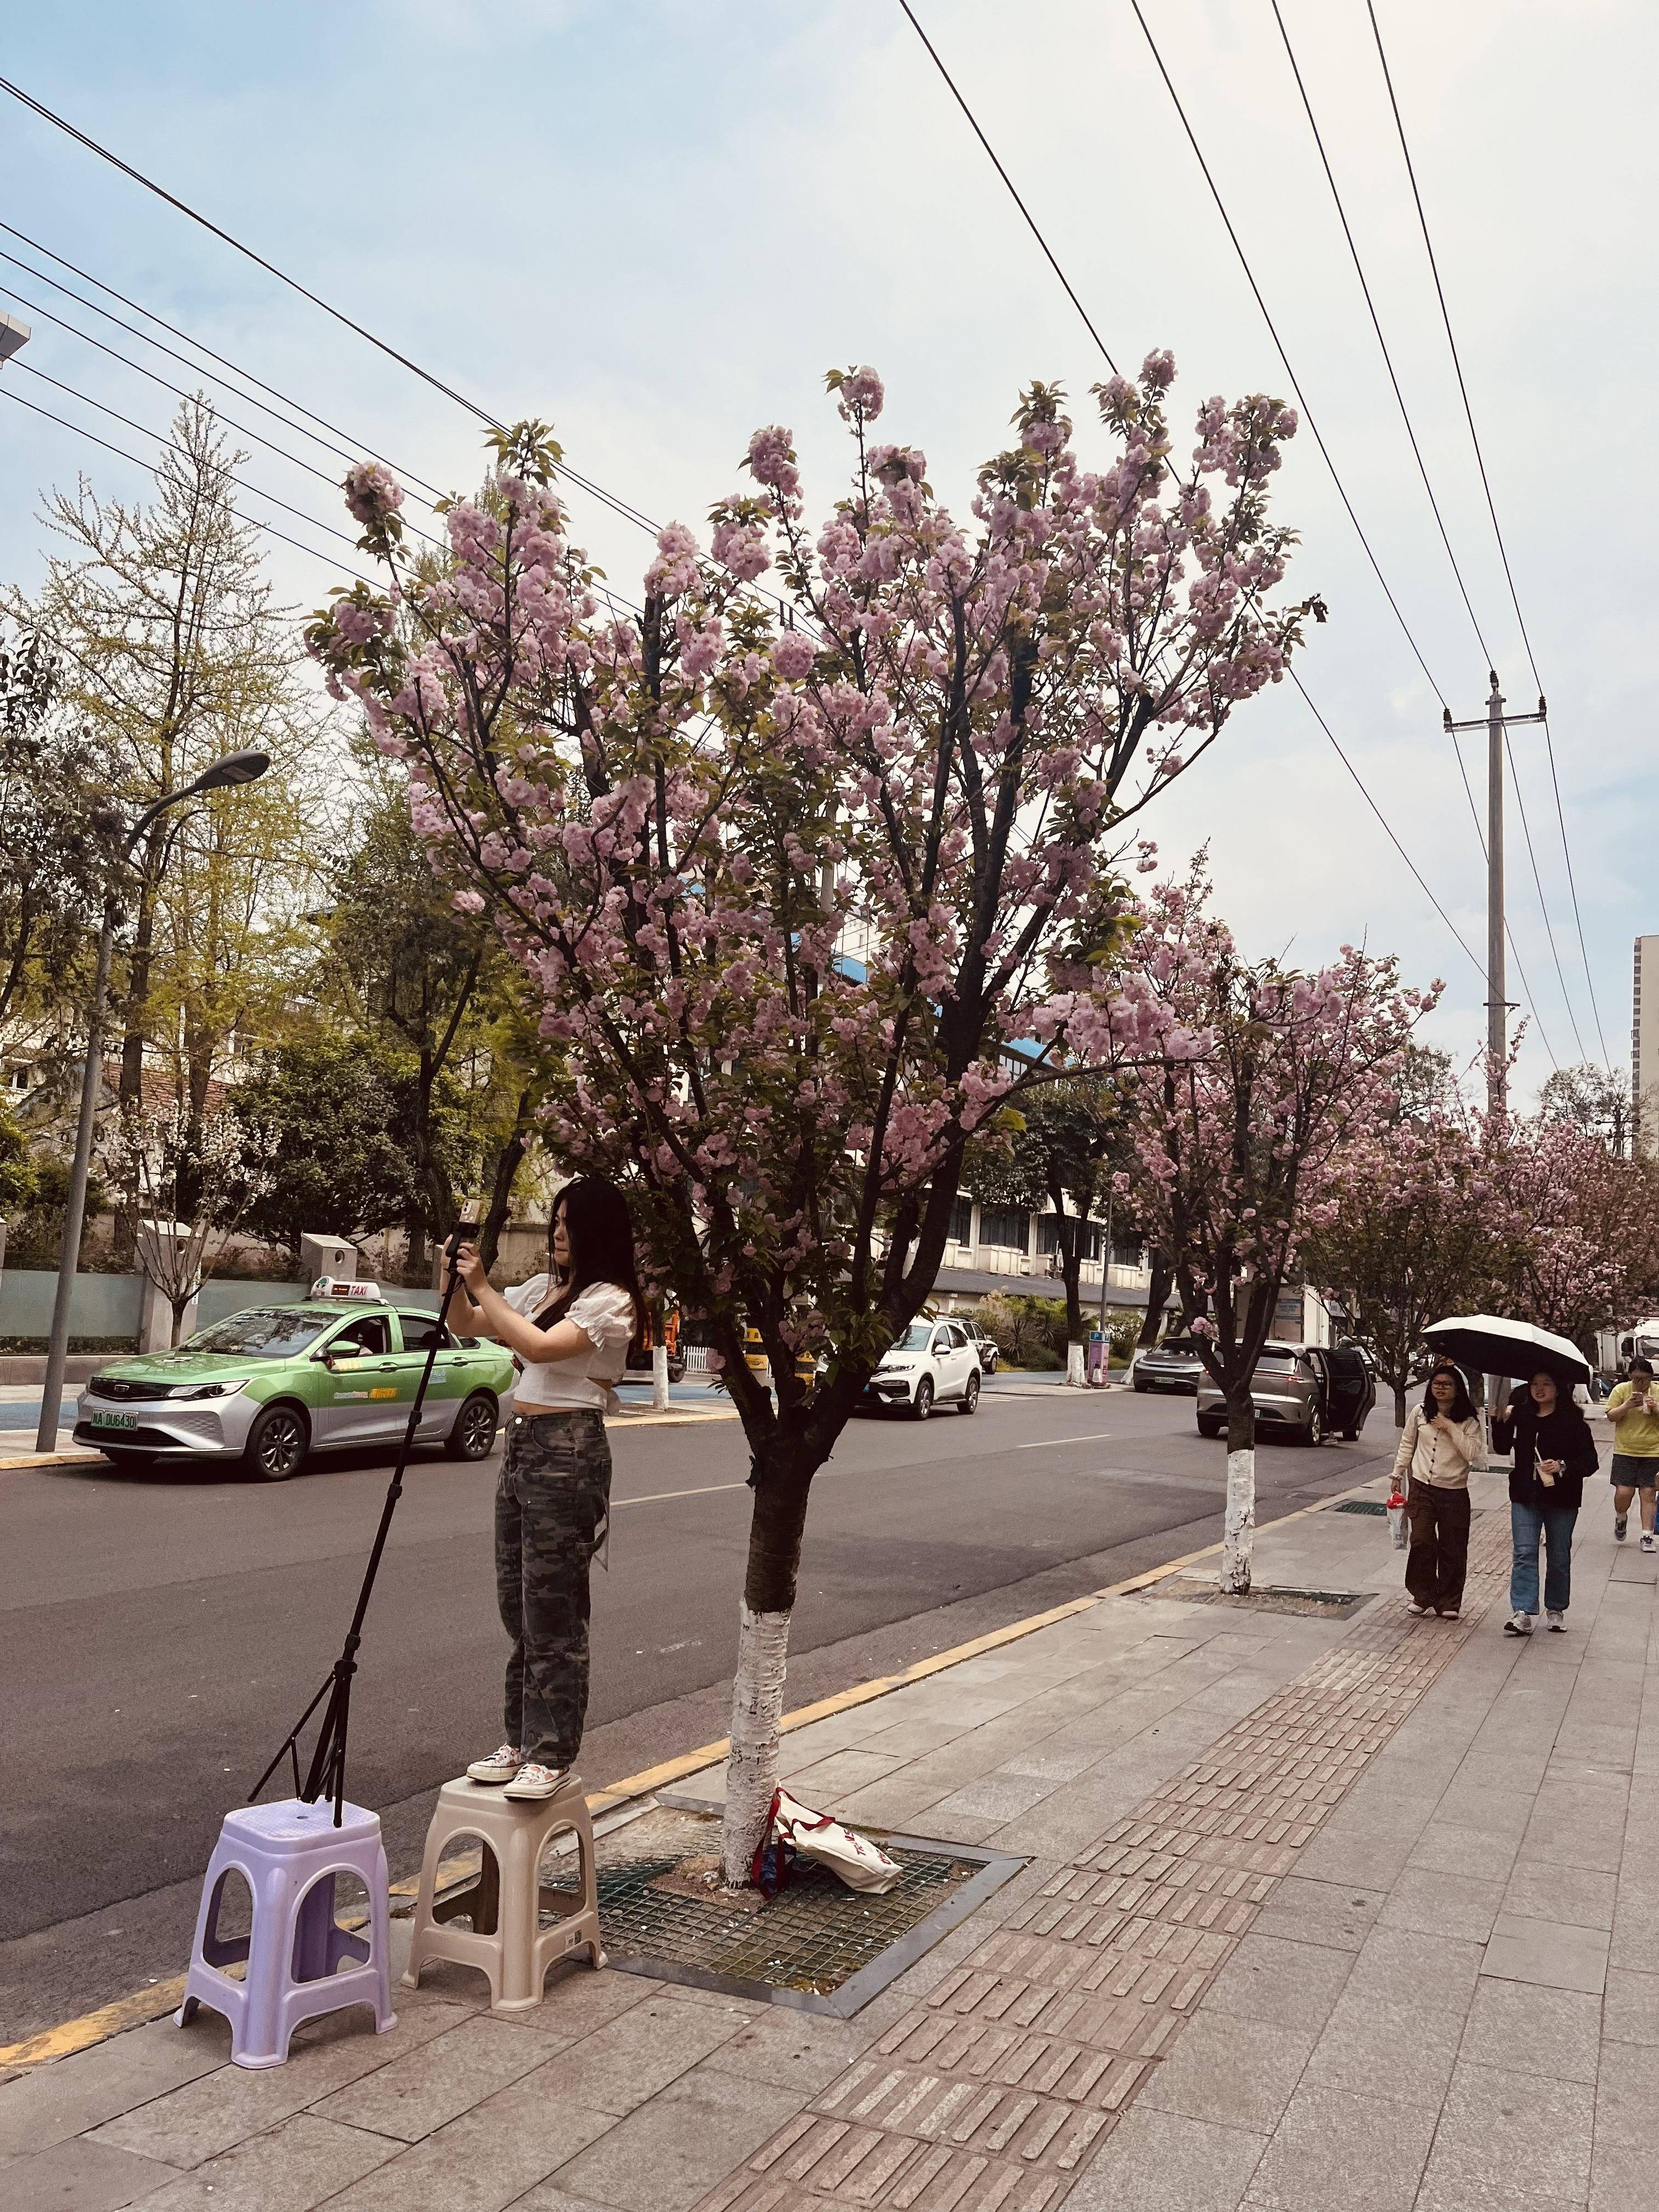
(288, 1854)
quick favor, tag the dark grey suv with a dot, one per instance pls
(1303, 1391)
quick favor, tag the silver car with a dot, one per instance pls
(1172, 1365)
(1299, 1393)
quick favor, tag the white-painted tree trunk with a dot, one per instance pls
(660, 1378)
(1238, 1532)
(1077, 1372)
(751, 1765)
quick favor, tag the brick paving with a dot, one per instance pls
(995, 2091)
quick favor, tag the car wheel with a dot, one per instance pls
(1315, 1432)
(1140, 1386)
(970, 1396)
(276, 1444)
(1206, 1427)
(924, 1399)
(473, 1435)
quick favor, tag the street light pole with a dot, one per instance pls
(1495, 722)
(234, 768)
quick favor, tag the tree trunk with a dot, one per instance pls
(1399, 1405)
(1238, 1530)
(508, 1161)
(781, 1490)
(1158, 1296)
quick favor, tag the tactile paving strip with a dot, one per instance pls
(995, 2091)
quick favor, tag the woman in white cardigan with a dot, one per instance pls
(1439, 1443)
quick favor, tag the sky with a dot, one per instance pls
(657, 225)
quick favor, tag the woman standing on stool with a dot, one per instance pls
(1553, 1453)
(571, 1331)
(1440, 1442)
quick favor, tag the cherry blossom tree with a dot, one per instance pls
(1421, 1226)
(1584, 1252)
(791, 870)
(1237, 1146)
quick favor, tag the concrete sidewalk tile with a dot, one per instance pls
(1429, 1904)
(834, 1776)
(1443, 1848)
(1501, 2130)
(998, 1798)
(794, 2051)
(1552, 1956)
(1624, 2096)
(1160, 2162)
(622, 2064)
(1621, 2176)
(207, 2116)
(1399, 2052)
(1581, 1896)
(80, 2175)
(1636, 1921)
(1488, 1811)
(575, 2000)
(1336, 1915)
(49, 2103)
(1286, 1984)
(417, 2093)
(487, 2158)
(667, 2153)
(299, 2163)
(1410, 1968)
(1513, 2025)
(1630, 2012)
(1237, 2073)
(1334, 2147)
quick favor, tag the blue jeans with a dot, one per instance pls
(1555, 1524)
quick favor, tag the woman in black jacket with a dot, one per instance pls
(1553, 1453)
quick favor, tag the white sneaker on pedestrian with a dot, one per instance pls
(533, 1781)
(1414, 1609)
(500, 1765)
(1557, 1621)
(1518, 1624)
(1647, 1543)
(1620, 1526)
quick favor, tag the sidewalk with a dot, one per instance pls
(1321, 1913)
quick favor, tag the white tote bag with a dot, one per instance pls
(794, 1828)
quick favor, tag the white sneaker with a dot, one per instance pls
(500, 1765)
(1557, 1621)
(1518, 1624)
(532, 1783)
(1416, 1611)
(1647, 1543)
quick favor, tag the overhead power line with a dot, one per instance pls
(1279, 347)
(120, 452)
(1491, 504)
(1013, 192)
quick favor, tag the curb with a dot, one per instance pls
(146, 2005)
(20, 1460)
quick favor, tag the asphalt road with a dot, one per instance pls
(159, 1636)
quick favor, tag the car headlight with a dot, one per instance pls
(215, 1389)
(897, 1366)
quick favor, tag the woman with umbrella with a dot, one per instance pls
(1553, 1453)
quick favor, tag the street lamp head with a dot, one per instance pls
(236, 767)
(13, 335)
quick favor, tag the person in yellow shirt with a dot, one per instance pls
(1633, 1412)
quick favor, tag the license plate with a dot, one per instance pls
(115, 1420)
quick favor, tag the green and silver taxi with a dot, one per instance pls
(264, 1387)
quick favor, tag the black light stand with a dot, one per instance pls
(326, 1776)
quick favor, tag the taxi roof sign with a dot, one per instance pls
(325, 1286)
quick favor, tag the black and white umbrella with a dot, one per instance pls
(1496, 1346)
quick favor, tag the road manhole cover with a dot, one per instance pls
(819, 1945)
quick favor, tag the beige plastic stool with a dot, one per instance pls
(506, 1902)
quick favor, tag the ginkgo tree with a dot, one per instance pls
(792, 867)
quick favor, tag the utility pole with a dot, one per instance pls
(1494, 721)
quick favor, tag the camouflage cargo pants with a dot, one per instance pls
(552, 1503)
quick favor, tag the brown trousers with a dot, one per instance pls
(1439, 1556)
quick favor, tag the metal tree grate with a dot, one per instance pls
(1362, 1505)
(1265, 1597)
(817, 1946)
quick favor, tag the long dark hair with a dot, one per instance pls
(1463, 1406)
(601, 1233)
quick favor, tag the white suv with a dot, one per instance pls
(933, 1364)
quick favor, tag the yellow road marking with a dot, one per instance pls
(149, 2004)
